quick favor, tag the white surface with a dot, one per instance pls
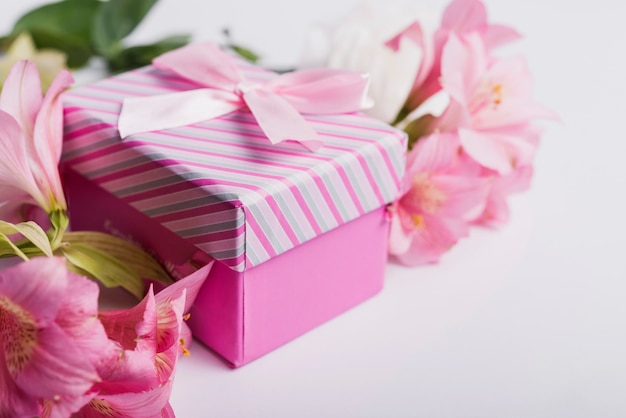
(527, 321)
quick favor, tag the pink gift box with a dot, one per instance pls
(298, 236)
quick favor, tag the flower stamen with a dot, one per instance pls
(418, 220)
(424, 196)
(103, 407)
(184, 349)
(497, 95)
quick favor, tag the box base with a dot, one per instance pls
(243, 316)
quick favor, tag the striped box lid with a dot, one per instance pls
(220, 184)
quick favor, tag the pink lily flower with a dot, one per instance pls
(156, 324)
(440, 198)
(460, 17)
(145, 343)
(132, 382)
(50, 339)
(31, 135)
(490, 104)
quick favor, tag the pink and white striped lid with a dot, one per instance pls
(220, 184)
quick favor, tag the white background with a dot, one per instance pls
(526, 321)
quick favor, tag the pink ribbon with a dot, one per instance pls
(277, 104)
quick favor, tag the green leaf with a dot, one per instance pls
(74, 269)
(71, 17)
(133, 257)
(139, 56)
(103, 267)
(31, 231)
(402, 114)
(115, 20)
(6, 41)
(29, 249)
(419, 128)
(7, 248)
(65, 25)
(78, 52)
(245, 53)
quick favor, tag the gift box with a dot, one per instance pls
(298, 236)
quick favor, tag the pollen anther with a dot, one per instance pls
(418, 220)
(184, 349)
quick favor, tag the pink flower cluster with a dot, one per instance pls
(60, 357)
(480, 150)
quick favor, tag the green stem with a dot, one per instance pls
(60, 222)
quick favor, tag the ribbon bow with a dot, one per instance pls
(276, 105)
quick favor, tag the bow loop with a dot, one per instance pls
(279, 120)
(324, 91)
(205, 64)
(276, 105)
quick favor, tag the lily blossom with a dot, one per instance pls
(145, 343)
(50, 339)
(31, 135)
(438, 203)
(461, 17)
(490, 104)
(132, 385)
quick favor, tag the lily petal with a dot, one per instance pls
(168, 412)
(463, 62)
(41, 361)
(487, 151)
(48, 135)
(399, 239)
(464, 16)
(41, 294)
(498, 35)
(78, 316)
(13, 400)
(433, 153)
(169, 320)
(128, 405)
(21, 95)
(134, 326)
(465, 196)
(191, 284)
(435, 238)
(59, 368)
(126, 371)
(14, 164)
